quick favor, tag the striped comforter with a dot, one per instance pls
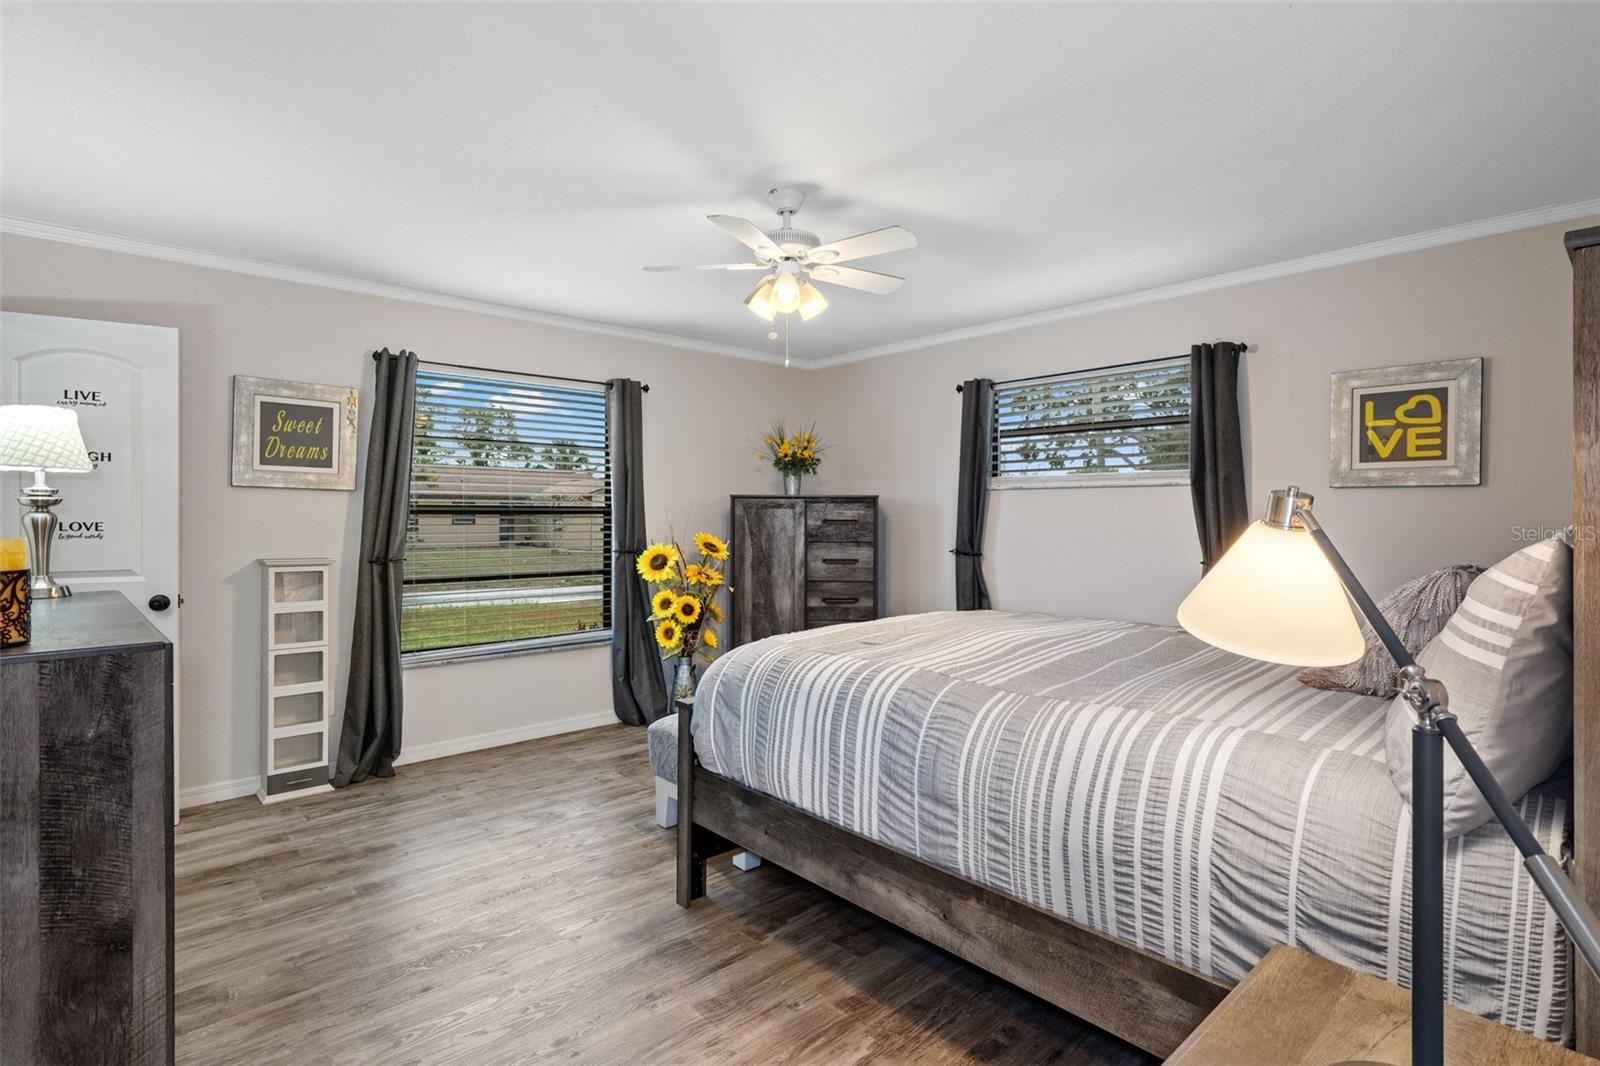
(1132, 779)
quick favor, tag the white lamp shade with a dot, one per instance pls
(811, 302)
(1274, 596)
(786, 293)
(760, 299)
(37, 437)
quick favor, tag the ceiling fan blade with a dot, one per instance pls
(879, 241)
(715, 266)
(855, 278)
(748, 234)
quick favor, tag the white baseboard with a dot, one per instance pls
(478, 742)
(217, 791)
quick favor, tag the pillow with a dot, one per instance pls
(1416, 611)
(1506, 658)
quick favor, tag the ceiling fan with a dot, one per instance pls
(793, 259)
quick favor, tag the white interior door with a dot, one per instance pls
(119, 523)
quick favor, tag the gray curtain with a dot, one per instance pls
(638, 688)
(1216, 450)
(370, 739)
(972, 494)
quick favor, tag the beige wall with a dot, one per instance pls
(891, 424)
(238, 324)
(1132, 552)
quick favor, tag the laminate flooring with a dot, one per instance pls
(516, 905)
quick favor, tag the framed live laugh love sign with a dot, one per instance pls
(289, 434)
(1408, 425)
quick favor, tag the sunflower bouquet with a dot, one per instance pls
(792, 453)
(683, 601)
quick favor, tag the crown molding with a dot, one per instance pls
(25, 227)
(1465, 231)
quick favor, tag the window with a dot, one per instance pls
(1127, 425)
(509, 535)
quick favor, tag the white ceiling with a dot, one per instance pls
(538, 156)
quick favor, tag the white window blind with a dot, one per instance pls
(1114, 426)
(509, 533)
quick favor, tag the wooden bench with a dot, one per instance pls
(1295, 1008)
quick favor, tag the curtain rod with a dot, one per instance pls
(1241, 345)
(492, 370)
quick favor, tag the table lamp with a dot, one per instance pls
(41, 439)
(1283, 594)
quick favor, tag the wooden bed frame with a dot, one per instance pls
(1141, 997)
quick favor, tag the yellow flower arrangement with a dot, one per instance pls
(683, 603)
(792, 453)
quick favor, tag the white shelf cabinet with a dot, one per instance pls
(297, 676)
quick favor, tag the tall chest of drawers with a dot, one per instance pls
(800, 562)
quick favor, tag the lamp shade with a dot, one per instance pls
(1274, 596)
(786, 293)
(760, 299)
(811, 302)
(37, 437)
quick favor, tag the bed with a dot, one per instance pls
(1122, 820)
(1137, 782)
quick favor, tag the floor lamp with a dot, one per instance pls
(1282, 594)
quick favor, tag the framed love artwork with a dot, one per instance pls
(1407, 425)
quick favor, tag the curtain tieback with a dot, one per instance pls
(967, 555)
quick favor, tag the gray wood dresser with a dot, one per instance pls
(86, 838)
(800, 562)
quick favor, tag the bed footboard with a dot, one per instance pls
(1143, 998)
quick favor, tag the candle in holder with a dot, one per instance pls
(14, 609)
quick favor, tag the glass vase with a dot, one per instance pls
(791, 483)
(683, 680)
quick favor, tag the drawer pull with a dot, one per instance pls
(838, 521)
(840, 600)
(841, 562)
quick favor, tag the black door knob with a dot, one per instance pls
(159, 602)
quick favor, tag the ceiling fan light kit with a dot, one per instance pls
(796, 258)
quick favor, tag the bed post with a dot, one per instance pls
(1583, 246)
(691, 858)
(696, 843)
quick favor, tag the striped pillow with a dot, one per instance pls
(1506, 658)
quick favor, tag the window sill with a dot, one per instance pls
(536, 646)
(1087, 481)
